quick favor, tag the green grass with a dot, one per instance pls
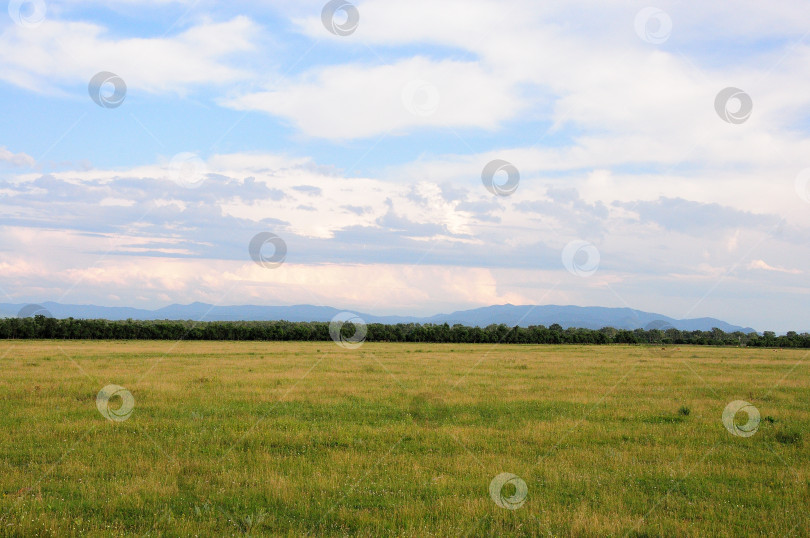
(252, 438)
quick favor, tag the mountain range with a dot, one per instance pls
(588, 317)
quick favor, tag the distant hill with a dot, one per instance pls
(588, 317)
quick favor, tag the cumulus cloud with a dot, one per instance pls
(761, 264)
(601, 76)
(244, 193)
(15, 159)
(62, 53)
(372, 244)
(356, 101)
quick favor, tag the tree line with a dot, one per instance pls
(100, 329)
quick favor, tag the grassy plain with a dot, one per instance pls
(267, 438)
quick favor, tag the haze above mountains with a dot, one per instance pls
(590, 317)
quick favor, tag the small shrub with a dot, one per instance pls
(789, 437)
(684, 410)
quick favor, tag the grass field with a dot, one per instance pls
(233, 438)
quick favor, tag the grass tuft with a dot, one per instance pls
(789, 437)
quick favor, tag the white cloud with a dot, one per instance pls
(356, 101)
(121, 202)
(574, 64)
(369, 244)
(477, 21)
(15, 159)
(761, 264)
(57, 53)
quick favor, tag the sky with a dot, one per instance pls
(409, 157)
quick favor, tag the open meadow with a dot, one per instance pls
(269, 438)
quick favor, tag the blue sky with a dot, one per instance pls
(364, 153)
